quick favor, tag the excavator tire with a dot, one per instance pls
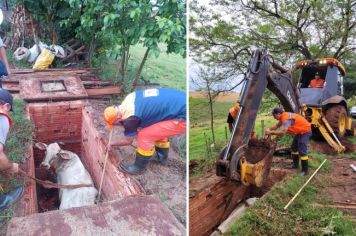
(336, 116)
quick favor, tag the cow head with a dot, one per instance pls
(53, 153)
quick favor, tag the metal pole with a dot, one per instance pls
(295, 196)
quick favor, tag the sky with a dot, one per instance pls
(192, 66)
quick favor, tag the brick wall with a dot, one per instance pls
(57, 122)
(212, 205)
(116, 185)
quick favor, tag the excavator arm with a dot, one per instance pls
(258, 78)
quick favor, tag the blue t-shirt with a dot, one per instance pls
(143, 108)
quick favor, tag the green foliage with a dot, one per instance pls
(20, 134)
(290, 30)
(115, 26)
(50, 13)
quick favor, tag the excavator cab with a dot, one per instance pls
(330, 71)
(325, 106)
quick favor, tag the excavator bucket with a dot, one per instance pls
(256, 162)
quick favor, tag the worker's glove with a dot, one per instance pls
(110, 116)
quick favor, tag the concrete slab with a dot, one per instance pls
(31, 88)
(134, 215)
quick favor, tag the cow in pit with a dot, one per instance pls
(70, 171)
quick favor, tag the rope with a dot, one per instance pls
(105, 161)
(49, 184)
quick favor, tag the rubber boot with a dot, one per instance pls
(161, 154)
(7, 200)
(304, 167)
(295, 158)
(140, 164)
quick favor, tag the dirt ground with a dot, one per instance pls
(168, 182)
(341, 187)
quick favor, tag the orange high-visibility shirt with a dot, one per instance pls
(234, 110)
(317, 83)
(300, 125)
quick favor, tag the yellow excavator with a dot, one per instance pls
(325, 108)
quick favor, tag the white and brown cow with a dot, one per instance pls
(70, 171)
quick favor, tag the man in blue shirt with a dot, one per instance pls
(152, 116)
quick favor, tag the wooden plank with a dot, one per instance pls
(94, 83)
(103, 91)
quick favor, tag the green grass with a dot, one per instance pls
(169, 70)
(16, 148)
(268, 217)
(199, 111)
(200, 137)
(352, 139)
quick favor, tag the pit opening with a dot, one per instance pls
(53, 86)
(72, 124)
(61, 122)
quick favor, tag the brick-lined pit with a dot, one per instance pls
(72, 124)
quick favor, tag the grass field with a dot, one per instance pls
(169, 70)
(200, 137)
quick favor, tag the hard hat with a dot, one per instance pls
(317, 73)
(110, 115)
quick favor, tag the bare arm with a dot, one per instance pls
(280, 132)
(5, 164)
(3, 58)
(127, 140)
(276, 126)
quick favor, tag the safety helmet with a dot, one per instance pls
(110, 115)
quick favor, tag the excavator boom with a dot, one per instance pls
(257, 80)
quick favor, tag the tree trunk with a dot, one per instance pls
(92, 47)
(211, 115)
(123, 66)
(139, 71)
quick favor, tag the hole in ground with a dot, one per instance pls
(73, 124)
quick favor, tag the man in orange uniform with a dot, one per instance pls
(317, 82)
(232, 115)
(231, 118)
(298, 126)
